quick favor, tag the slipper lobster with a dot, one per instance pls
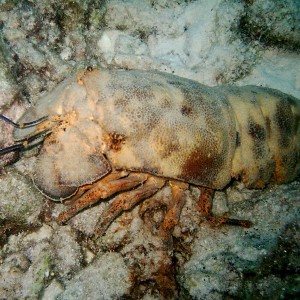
(128, 132)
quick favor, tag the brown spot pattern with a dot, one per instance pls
(284, 121)
(258, 135)
(200, 165)
(256, 131)
(116, 140)
(186, 110)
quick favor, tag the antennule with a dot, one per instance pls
(23, 125)
(29, 140)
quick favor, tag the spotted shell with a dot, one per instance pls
(165, 125)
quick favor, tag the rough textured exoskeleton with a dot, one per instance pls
(114, 130)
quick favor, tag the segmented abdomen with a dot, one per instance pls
(267, 135)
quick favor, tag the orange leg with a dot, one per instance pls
(102, 189)
(114, 175)
(127, 201)
(173, 214)
(205, 206)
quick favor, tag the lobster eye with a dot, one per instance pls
(35, 138)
